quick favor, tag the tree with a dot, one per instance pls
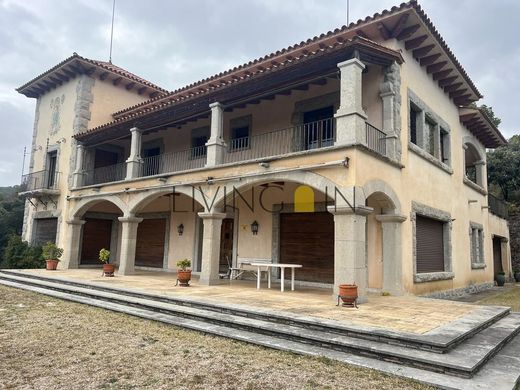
(488, 110)
(11, 214)
(504, 169)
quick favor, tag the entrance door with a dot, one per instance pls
(308, 239)
(151, 166)
(497, 255)
(318, 130)
(149, 250)
(97, 234)
(226, 244)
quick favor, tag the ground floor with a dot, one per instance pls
(383, 239)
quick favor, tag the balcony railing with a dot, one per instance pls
(298, 138)
(106, 174)
(376, 139)
(41, 180)
(173, 162)
(498, 206)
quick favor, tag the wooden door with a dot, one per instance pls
(226, 243)
(497, 255)
(97, 234)
(308, 239)
(149, 251)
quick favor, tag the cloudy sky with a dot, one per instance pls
(176, 42)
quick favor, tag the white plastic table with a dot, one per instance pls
(282, 267)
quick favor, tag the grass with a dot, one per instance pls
(49, 343)
(511, 298)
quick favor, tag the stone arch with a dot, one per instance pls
(470, 141)
(387, 196)
(83, 205)
(141, 200)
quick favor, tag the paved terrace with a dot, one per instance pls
(407, 314)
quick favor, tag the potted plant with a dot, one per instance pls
(500, 278)
(51, 254)
(517, 274)
(104, 257)
(183, 272)
(348, 293)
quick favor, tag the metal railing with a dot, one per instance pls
(41, 180)
(106, 174)
(376, 139)
(298, 138)
(498, 206)
(173, 162)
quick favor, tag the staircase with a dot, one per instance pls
(481, 351)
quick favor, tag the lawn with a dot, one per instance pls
(510, 297)
(49, 343)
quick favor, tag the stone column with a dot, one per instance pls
(391, 97)
(392, 252)
(128, 243)
(350, 117)
(79, 173)
(210, 247)
(216, 146)
(350, 260)
(72, 244)
(134, 161)
(480, 167)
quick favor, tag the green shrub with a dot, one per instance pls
(104, 255)
(19, 254)
(184, 264)
(51, 251)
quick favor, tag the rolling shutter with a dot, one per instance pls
(45, 230)
(430, 245)
(149, 251)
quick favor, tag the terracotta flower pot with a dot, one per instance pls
(108, 269)
(348, 294)
(51, 265)
(183, 278)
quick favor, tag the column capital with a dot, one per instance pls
(130, 219)
(80, 146)
(346, 210)
(212, 215)
(352, 62)
(216, 105)
(391, 218)
(134, 129)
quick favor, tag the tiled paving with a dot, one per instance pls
(405, 314)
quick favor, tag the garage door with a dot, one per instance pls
(149, 250)
(308, 239)
(45, 230)
(96, 235)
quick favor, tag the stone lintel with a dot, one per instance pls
(76, 221)
(433, 277)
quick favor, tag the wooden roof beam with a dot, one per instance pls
(117, 80)
(428, 60)
(154, 94)
(56, 80)
(62, 77)
(103, 76)
(436, 67)
(141, 90)
(442, 74)
(407, 32)
(68, 72)
(383, 31)
(458, 92)
(422, 51)
(467, 117)
(415, 42)
(362, 34)
(399, 26)
(447, 81)
(452, 87)
(129, 86)
(462, 99)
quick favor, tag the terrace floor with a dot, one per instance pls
(407, 314)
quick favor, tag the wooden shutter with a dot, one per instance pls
(429, 244)
(149, 251)
(97, 234)
(45, 230)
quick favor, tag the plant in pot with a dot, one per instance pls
(104, 257)
(517, 275)
(183, 272)
(51, 254)
(500, 278)
(348, 293)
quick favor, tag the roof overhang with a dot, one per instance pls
(77, 65)
(479, 124)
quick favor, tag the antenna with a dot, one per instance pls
(348, 12)
(112, 30)
(23, 162)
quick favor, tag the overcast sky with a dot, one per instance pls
(176, 42)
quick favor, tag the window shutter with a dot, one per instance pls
(430, 245)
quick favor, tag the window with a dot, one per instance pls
(414, 116)
(240, 133)
(429, 245)
(152, 163)
(445, 146)
(473, 164)
(52, 159)
(477, 245)
(199, 138)
(318, 128)
(431, 135)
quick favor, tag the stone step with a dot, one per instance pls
(464, 361)
(501, 373)
(439, 340)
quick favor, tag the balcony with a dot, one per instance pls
(498, 207)
(304, 137)
(41, 182)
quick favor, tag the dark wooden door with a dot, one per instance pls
(497, 255)
(149, 251)
(308, 239)
(96, 235)
(226, 243)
